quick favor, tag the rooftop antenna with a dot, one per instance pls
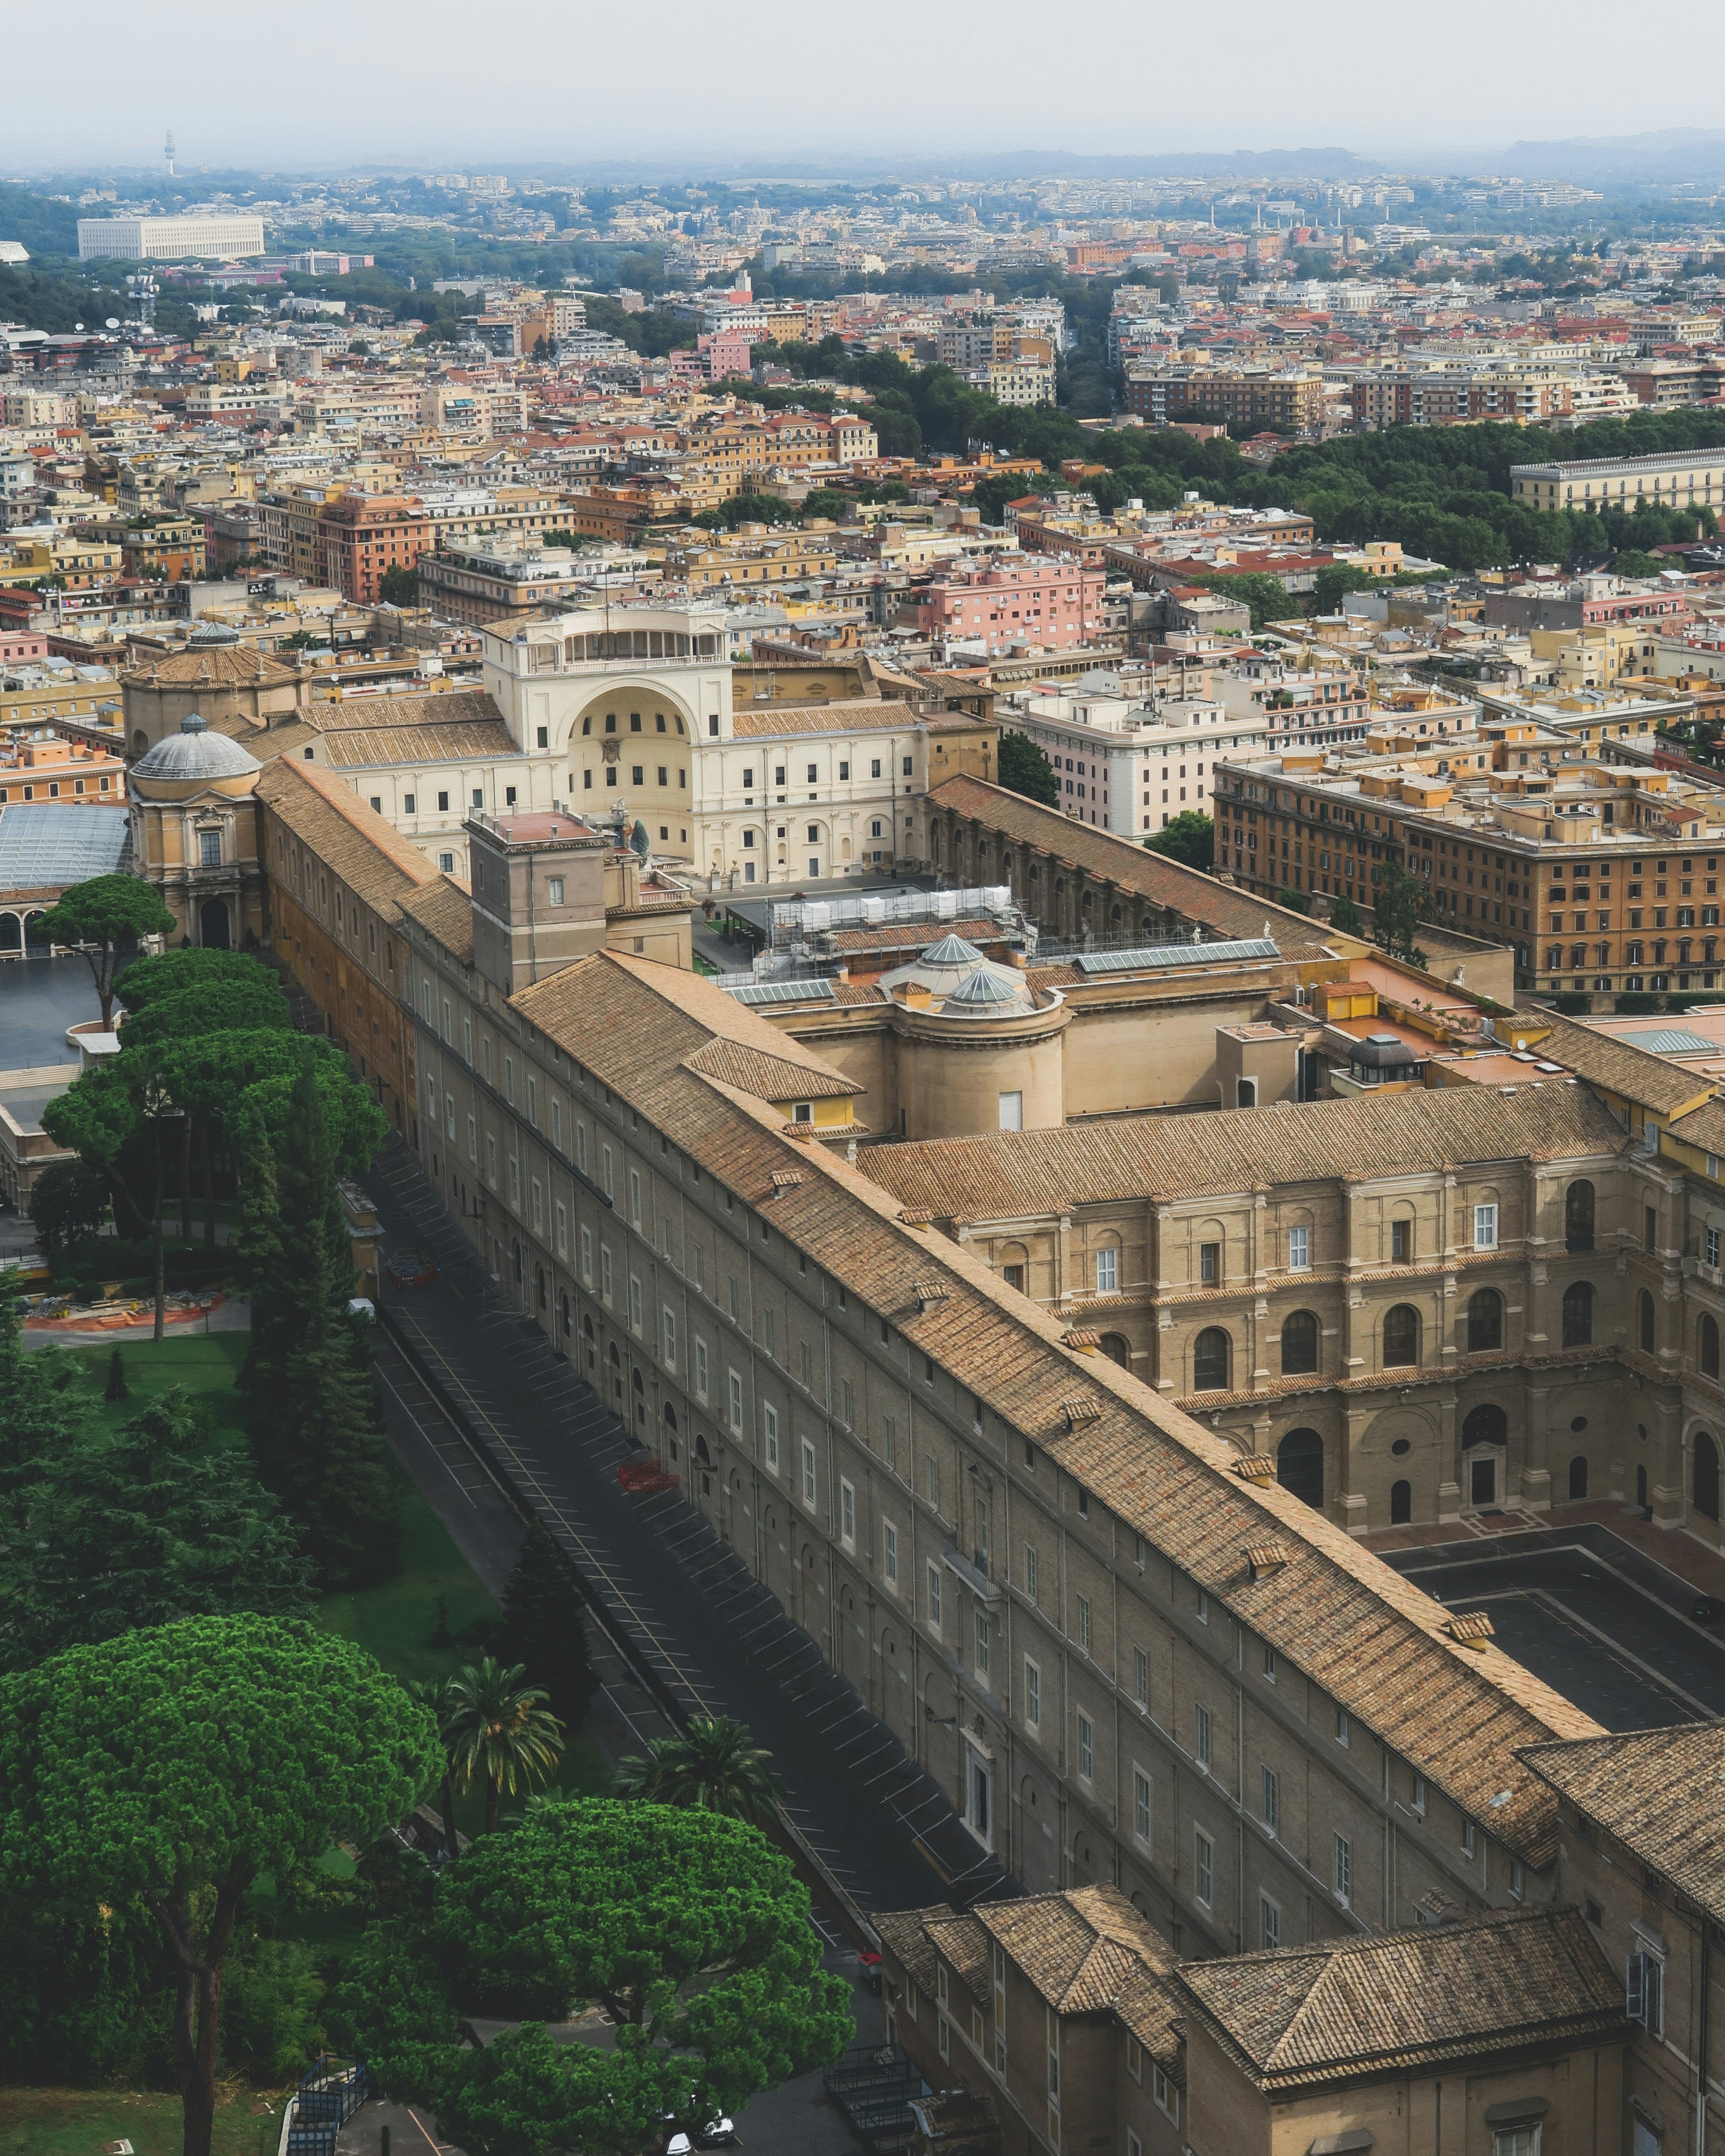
(168, 151)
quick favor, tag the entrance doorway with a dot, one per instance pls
(1482, 1480)
(213, 924)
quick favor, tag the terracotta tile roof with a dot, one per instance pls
(217, 665)
(1373, 1640)
(849, 715)
(445, 908)
(963, 1945)
(1660, 1792)
(1011, 1175)
(1616, 1066)
(1703, 1128)
(1080, 1948)
(464, 742)
(370, 855)
(714, 1034)
(1508, 1982)
(436, 708)
(904, 1933)
(1190, 893)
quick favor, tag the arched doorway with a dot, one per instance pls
(1578, 1477)
(1299, 1467)
(1705, 1483)
(1401, 1503)
(213, 925)
(1578, 1216)
(12, 932)
(1485, 1439)
(1114, 1346)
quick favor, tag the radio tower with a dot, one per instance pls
(168, 151)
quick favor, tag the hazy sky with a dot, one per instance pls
(448, 82)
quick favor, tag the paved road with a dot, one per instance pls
(1602, 1624)
(717, 1640)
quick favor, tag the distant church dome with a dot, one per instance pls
(195, 753)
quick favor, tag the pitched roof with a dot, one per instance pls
(1660, 1792)
(370, 855)
(1012, 1174)
(215, 666)
(848, 714)
(1608, 1060)
(693, 1022)
(963, 1944)
(1373, 1640)
(465, 741)
(1191, 893)
(445, 908)
(1079, 1948)
(904, 1932)
(1510, 1981)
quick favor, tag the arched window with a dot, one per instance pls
(1401, 1337)
(1485, 1424)
(1706, 1475)
(1648, 1324)
(1579, 1314)
(1706, 1345)
(1484, 1320)
(1401, 1503)
(1578, 1476)
(1578, 1216)
(1299, 1344)
(586, 724)
(1299, 1467)
(1116, 1349)
(1209, 1360)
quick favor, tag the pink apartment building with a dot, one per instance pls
(1032, 598)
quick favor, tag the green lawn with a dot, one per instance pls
(79, 2121)
(202, 1362)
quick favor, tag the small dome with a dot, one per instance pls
(208, 632)
(984, 991)
(195, 753)
(951, 951)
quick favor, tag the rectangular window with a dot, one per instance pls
(807, 1364)
(933, 1469)
(607, 1173)
(581, 1146)
(810, 1485)
(1141, 1805)
(1343, 1869)
(982, 1641)
(604, 1272)
(556, 1122)
(1712, 1246)
(1166, 2096)
(538, 1194)
(1011, 1108)
(934, 1597)
(1210, 1263)
(769, 1424)
(735, 1405)
(635, 1198)
(1082, 1620)
(1204, 1738)
(1204, 1869)
(1485, 1227)
(634, 1303)
(1344, 1732)
(533, 1103)
(700, 1369)
(1033, 1695)
(1030, 1570)
(1086, 1747)
(1270, 1924)
(1140, 1678)
(1272, 1800)
(587, 1256)
(472, 1139)
(844, 1403)
(670, 1336)
(889, 1559)
(1645, 1992)
(1108, 1272)
(1299, 1249)
(562, 1231)
(1401, 1242)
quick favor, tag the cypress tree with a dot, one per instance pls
(310, 1415)
(117, 1388)
(542, 1627)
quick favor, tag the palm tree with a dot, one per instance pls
(434, 1693)
(500, 1729)
(711, 1767)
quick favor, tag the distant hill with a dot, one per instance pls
(1667, 155)
(43, 226)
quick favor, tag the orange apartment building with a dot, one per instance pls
(56, 770)
(361, 536)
